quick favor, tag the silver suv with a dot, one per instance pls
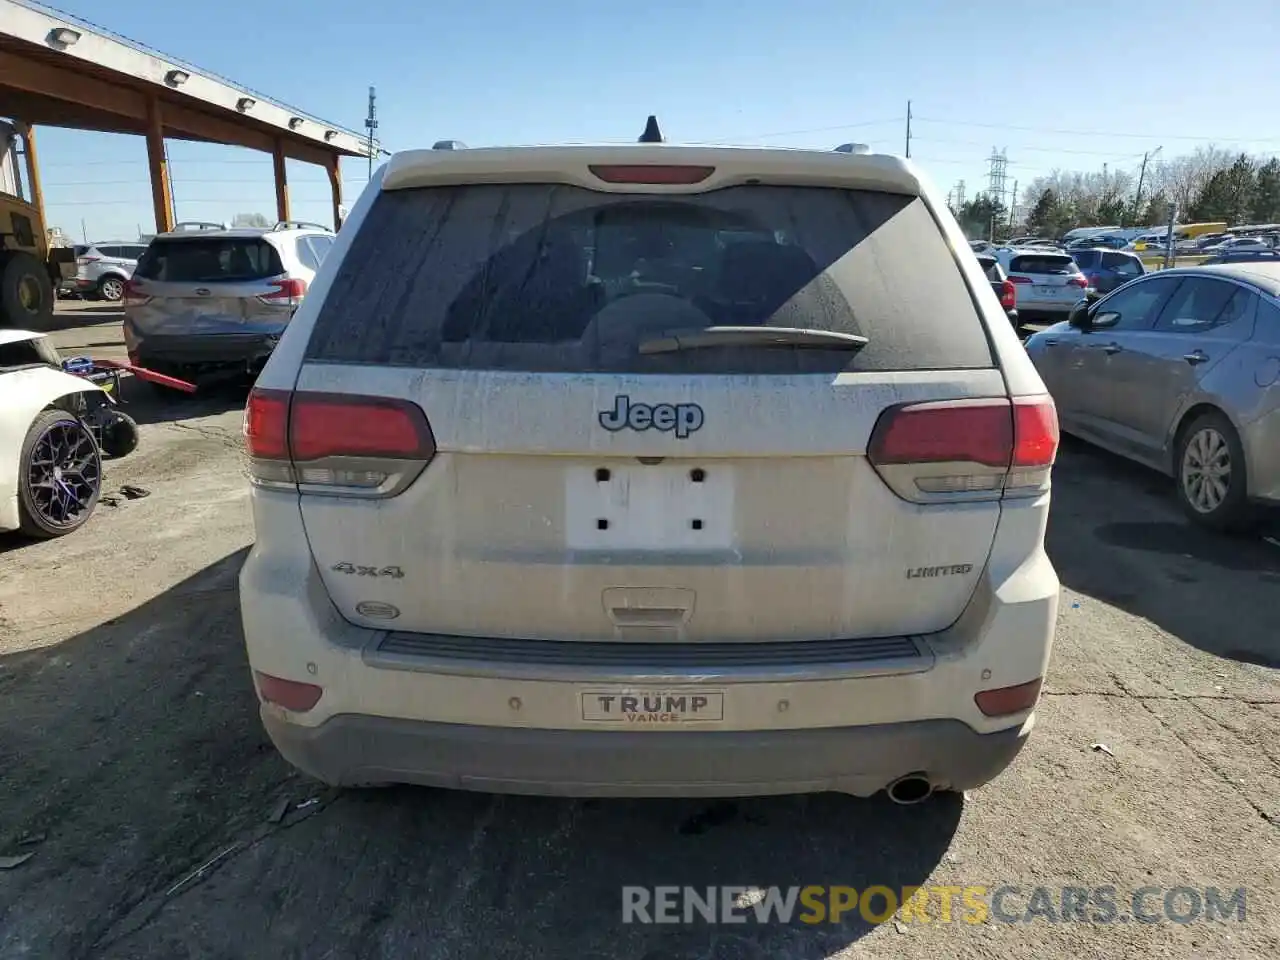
(213, 302)
(650, 470)
(103, 269)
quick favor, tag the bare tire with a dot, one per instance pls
(1211, 474)
(26, 293)
(111, 288)
(61, 475)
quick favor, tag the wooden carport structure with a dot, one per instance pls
(60, 72)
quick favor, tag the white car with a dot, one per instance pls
(650, 470)
(1049, 282)
(54, 430)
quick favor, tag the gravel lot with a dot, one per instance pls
(131, 755)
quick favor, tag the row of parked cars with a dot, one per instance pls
(1174, 368)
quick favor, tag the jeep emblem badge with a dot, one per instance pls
(680, 418)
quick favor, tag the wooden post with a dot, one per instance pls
(282, 181)
(158, 162)
(28, 135)
(335, 185)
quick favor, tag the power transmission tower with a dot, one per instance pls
(371, 124)
(959, 194)
(997, 175)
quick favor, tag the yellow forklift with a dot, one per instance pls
(31, 268)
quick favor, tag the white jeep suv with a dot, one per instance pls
(650, 470)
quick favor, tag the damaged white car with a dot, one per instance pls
(55, 429)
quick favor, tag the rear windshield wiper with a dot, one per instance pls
(754, 337)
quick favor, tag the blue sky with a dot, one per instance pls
(1058, 85)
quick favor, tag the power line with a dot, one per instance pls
(1098, 133)
(1110, 154)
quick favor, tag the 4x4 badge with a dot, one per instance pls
(359, 570)
(680, 418)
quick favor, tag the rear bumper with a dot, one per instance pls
(203, 353)
(353, 749)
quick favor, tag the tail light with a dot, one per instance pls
(334, 443)
(287, 292)
(1078, 280)
(1008, 295)
(983, 449)
(651, 173)
(1018, 278)
(133, 295)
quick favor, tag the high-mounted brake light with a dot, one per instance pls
(337, 443)
(967, 449)
(650, 173)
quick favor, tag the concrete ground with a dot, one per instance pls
(131, 756)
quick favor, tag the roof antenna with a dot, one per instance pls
(651, 132)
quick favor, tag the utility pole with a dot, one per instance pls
(1168, 239)
(1013, 205)
(908, 129)
(1142, 176)
(371, 124)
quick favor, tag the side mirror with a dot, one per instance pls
(1079, 316)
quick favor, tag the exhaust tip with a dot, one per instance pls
(911, 789)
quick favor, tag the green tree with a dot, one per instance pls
(982, 216)
(1043, 213)
(1156, 211)
(1214, 200)
(1111, 209)
(1266, 194)
(1228, 194)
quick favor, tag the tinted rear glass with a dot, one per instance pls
(1086, 258)
(563, 279)
(1043, 263)
(209, 260)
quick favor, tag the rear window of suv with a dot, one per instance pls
(209, 260)
(1059, 264)
(561, 279)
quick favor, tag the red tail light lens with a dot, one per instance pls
(1015, 278)
(266, 425)
(968, 449)
(340, 426)
(289, 290)
(133, 295)
(651, 173)
(354, 445)
(1008, 295)
(962, 431)
(1078, 280)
